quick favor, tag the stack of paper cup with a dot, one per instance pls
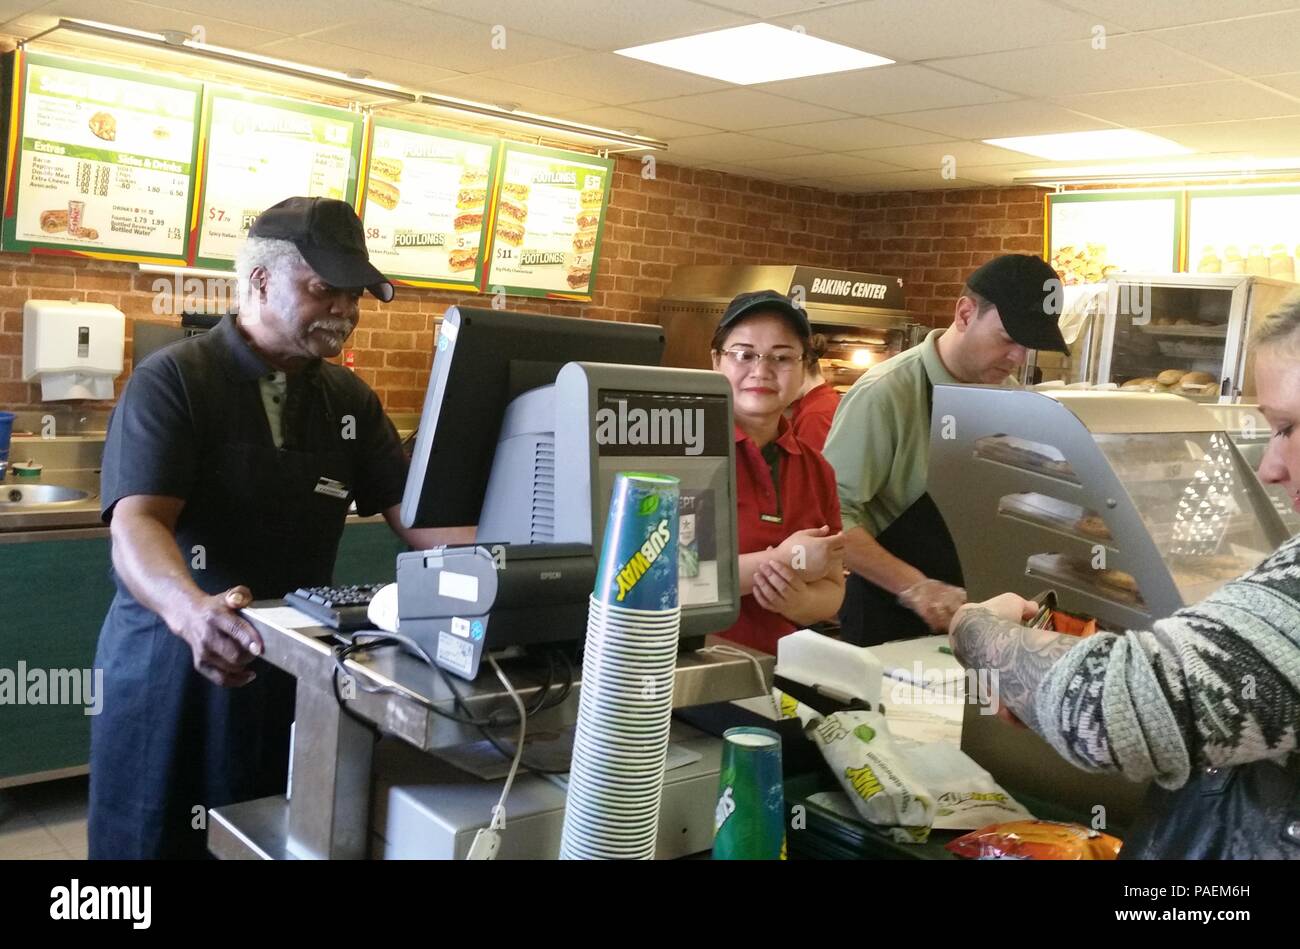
(625, 709)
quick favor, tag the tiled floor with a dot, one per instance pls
(44, 821)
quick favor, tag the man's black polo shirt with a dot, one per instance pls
(191, 425)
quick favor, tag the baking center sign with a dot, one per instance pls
(846, 288)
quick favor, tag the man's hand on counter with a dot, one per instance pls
(934, 601)
(222, 642)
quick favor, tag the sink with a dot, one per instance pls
(24, 495)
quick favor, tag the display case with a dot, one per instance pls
(1128, 505)
(1184, 333)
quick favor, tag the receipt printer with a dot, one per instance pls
(458, 601)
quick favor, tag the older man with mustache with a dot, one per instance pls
(228, 470)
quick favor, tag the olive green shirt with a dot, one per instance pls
(275, 390)
(879, 443)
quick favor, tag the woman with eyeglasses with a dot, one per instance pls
(788, 509)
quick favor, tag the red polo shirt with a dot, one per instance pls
(809, 499)
(811, 416)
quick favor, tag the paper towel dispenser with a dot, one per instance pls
(75, 349)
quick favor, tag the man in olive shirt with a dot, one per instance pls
(906, 579)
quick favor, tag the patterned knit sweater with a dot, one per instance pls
(1215, 684)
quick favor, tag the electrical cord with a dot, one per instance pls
(725, 650)
(499, 812)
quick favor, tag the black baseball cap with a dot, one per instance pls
(331, 239)
(1027, 293)
(747, 303)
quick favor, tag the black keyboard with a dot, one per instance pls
(343, 608)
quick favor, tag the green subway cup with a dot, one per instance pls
(638, 560)
(749, 820)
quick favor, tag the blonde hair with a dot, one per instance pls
(1281, 328)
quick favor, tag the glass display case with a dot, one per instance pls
(1128, 505)
(1184, 333)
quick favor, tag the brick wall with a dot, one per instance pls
(933, 239)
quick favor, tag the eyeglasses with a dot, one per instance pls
(748, 359)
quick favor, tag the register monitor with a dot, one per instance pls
(526, 421)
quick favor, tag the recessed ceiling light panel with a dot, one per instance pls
(1091, 146)
(759, 52)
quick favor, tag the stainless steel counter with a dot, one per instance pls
(327, 816)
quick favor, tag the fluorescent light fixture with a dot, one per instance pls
(1091, 146)
(1207, 167)
(759, 52)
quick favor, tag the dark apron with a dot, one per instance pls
(872, 615)
(169, 744)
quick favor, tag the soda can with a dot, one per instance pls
(749, 820)
(638, 560)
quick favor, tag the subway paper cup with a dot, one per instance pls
(638, 560)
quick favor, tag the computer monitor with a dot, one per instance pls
(526, 422)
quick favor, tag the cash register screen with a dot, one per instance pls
(686, 436)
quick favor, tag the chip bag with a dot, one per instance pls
(1036, 840)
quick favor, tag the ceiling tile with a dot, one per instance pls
(404, 72)
(14, 9)
(821, 166)
(902, 88)
(934, 157)
(294, 17)
(738, 110)
(1153, 14)
(395, 29)
(774, 8)
(927, 29)
(581, 23)
(746, 172)
(1198, 102)
(901, 181)
(607, 78)
(496, 92)
(1255, 46)
(842, 135)
(734, 147)
(1005, 174)
(1127, 62)
(1255, 135)
(617, 117)
(999, 120)
(153, 19)
(1286, 83)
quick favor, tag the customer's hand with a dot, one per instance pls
(934, 601)
(1005, 606)
(222, 642)
(813, 553)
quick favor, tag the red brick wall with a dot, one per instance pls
(933, 239)
(682, 216)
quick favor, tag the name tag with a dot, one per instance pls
(770, 518)
(335, 489)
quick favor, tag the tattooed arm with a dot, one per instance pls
(1019, 656)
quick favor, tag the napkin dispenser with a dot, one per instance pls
(75, 349)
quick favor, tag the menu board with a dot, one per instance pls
(1245, 231)
(259, 150)
(101, 161)
(426, 203)
(550, 208)
(1092, 235)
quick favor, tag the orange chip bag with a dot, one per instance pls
(1036, 840)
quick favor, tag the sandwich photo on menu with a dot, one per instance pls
(381, 186)
(462, 260)
(591, 198)
(587, 220)
(512, 210)
(577, 271)
(584, 241)
(510, 232)
(516, 190)
(471, 198)
(468, 222)
(474, 178)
